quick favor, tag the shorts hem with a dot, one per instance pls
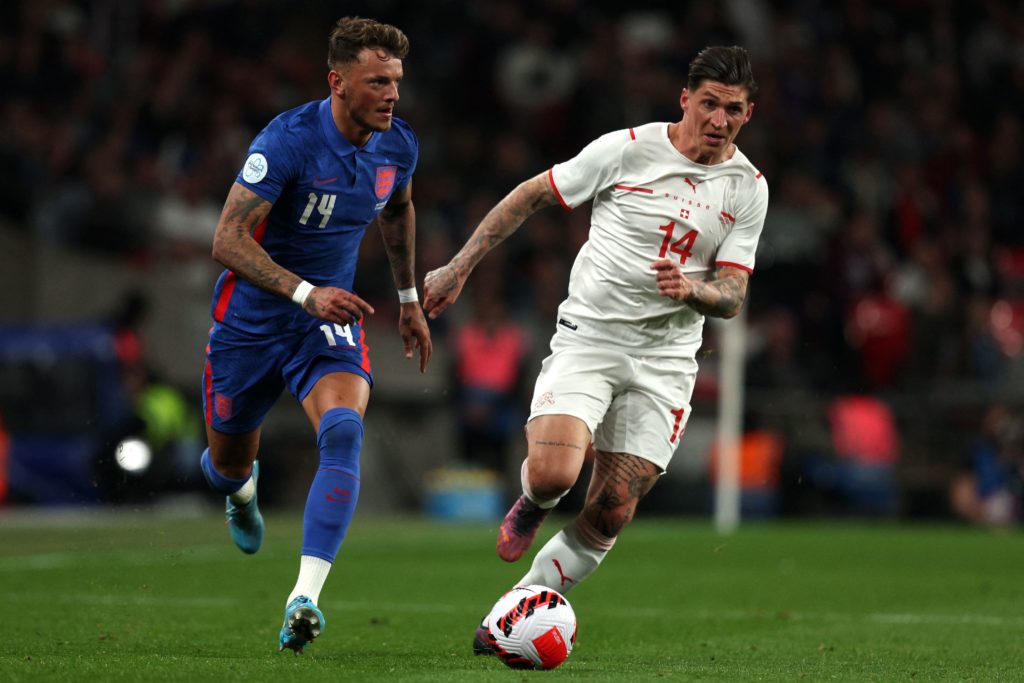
(335, 366)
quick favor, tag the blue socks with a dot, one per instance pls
(335, 489)
(216, 480)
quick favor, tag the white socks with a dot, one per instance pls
(244, 494)
(313, 573)
(569, 557)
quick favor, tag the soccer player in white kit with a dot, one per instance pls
(677, 212)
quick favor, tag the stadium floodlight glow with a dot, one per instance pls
(133, 455)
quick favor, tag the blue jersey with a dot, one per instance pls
(325, 192)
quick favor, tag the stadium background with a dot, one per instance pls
(886, 318)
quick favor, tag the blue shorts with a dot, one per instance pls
(245, 373)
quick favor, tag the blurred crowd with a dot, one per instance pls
(890, 134)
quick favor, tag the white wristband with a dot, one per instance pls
(408, 296)
(301, 293)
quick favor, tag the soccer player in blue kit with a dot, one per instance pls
(284, 311)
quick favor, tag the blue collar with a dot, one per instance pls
(338, 143)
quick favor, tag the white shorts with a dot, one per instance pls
(632, 404)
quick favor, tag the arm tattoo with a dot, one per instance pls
(397, 223)
(503, 220)
(240, 209)
(722, 296)
(235, 248)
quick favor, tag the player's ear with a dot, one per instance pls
(336, 83)
(684, 99)
(750, 112)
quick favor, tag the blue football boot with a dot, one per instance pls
(303, 621)
(245, 521)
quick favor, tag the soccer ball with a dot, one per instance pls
(532, 627)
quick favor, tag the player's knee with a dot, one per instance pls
(340, 437)
(551, 482)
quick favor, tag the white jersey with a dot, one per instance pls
(650, 201)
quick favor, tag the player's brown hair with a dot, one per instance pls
(726, 65)
(352, 34)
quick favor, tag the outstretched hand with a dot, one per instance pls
(441, 288)
(415, 333)
(336, 305)
(671, 281)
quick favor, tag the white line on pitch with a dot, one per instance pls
(902, 619)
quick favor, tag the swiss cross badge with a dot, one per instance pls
(385, 180)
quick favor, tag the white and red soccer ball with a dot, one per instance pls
(532, 627)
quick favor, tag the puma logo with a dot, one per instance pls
(562, 577)
(691, 184)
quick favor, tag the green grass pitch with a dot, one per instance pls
(134, 596)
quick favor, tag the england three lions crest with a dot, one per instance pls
(385, 180)
(222, 405)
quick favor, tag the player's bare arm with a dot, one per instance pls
(235, 248)
(443, 286)
(721, 296)
(397, 222)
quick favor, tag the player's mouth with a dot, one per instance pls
(714, 138)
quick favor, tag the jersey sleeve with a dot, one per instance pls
(406, 170)
(596, 167)
(271, 163)
(740, 245)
